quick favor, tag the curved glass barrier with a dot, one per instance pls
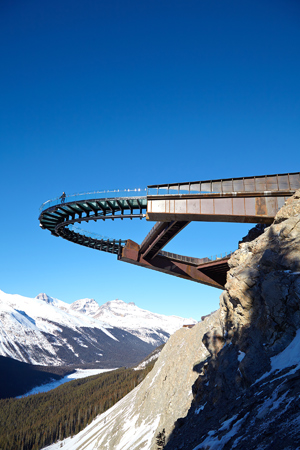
(90, 234)
(190, 259)
(116, 193)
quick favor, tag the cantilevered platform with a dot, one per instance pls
(247, 200)
(174, 206)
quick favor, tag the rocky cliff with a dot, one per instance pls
(247, 395)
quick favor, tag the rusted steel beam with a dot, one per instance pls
(130, 254)
(234, 208)
(157, 228)
(248, 199)
(159, 236)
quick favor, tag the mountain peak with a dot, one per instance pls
(144, 324)
(45, 298)
(87, 306)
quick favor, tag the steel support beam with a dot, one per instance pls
(159, 236)
(130, 254)
(234, 207)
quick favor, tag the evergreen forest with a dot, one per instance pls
(33, 422)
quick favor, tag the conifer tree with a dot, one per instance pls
(161, 439)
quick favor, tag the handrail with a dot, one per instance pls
(93, 235)
(192, 260)
(270, 183)
(116, 193)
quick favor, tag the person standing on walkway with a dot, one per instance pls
(63, 197)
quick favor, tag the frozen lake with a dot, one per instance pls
(79, 373)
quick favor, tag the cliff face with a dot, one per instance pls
(262, 293)
(247, 394)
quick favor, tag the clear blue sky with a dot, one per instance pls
(124, 94)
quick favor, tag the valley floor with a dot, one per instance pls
(76, 375)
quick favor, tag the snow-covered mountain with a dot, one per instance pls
(48, 331)
(85, 306)
(150, 327)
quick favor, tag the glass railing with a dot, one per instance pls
(178, 190)
(94, 195)
(220, 256)
(272, 183)
(92, 235)
(190, 259)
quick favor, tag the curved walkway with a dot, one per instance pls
(59, 216)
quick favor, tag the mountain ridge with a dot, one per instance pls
(48, 331)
